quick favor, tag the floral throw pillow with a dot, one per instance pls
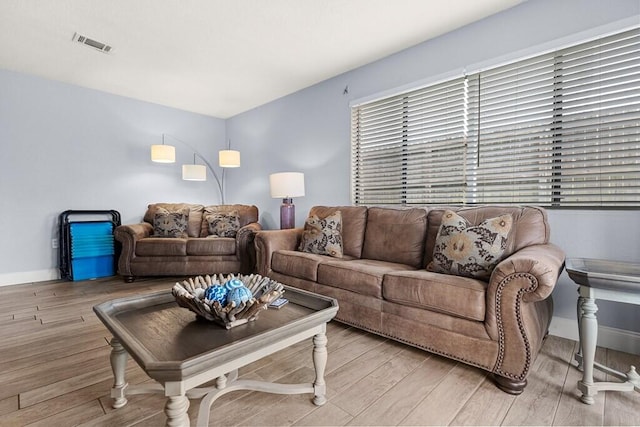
(223, 224)
(323, 236)
(170, 224)
(471, 251)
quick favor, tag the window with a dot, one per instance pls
(560, 129)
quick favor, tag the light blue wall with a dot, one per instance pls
(65, 147)
(308, 131)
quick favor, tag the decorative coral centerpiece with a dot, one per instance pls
(227, 300)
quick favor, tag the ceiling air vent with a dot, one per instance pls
(92, 43)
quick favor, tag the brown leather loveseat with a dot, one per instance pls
(385, 282)
(195, 251)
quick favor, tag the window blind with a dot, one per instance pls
(514, 151)
(559, 129)
(597, 90)
(407, 148)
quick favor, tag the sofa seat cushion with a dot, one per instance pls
(302, 265)
(362, 276)
(161, 246)
(211, 246)
(460, 296)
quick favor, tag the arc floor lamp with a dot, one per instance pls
(165, 153)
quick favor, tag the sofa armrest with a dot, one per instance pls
(128, 235)
(519, 306)
(269, 241)
(543, 263)
(245, 248)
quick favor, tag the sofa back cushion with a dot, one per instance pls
(247, 214)
(354, 220)
(396, 235)
(195, 215)
(530, 225)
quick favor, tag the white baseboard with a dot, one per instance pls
(616, 339)
(29, 277)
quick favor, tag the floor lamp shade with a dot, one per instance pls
(229, 158)
(163, 153)
(287, 185)
(194, 172)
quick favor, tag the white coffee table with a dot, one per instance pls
(182, 353)
(610, 281)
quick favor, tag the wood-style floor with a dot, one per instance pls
(54, 371)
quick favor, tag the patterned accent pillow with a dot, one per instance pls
(223, 224)
(472, 251)
(323, 236)
(170, 224)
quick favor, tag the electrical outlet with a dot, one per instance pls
(54, 243)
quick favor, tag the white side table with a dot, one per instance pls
(610, 281)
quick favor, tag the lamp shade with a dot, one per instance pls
(163, 153)
(286, 184)
(229, 158)
(194, 172)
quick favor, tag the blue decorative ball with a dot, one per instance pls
(217, 293)
(233, 283)
(238, 295)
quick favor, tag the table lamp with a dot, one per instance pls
(287, 185)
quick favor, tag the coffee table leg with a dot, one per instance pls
(118, 360)
(320, 363)
(221, 382)
(176, 411)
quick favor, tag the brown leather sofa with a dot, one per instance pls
(145, 255)
(382, 285)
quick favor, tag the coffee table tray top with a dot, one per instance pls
(171, 344)
(604, 274)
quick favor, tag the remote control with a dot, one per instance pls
(278, 303)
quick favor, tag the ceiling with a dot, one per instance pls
(218, 57)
